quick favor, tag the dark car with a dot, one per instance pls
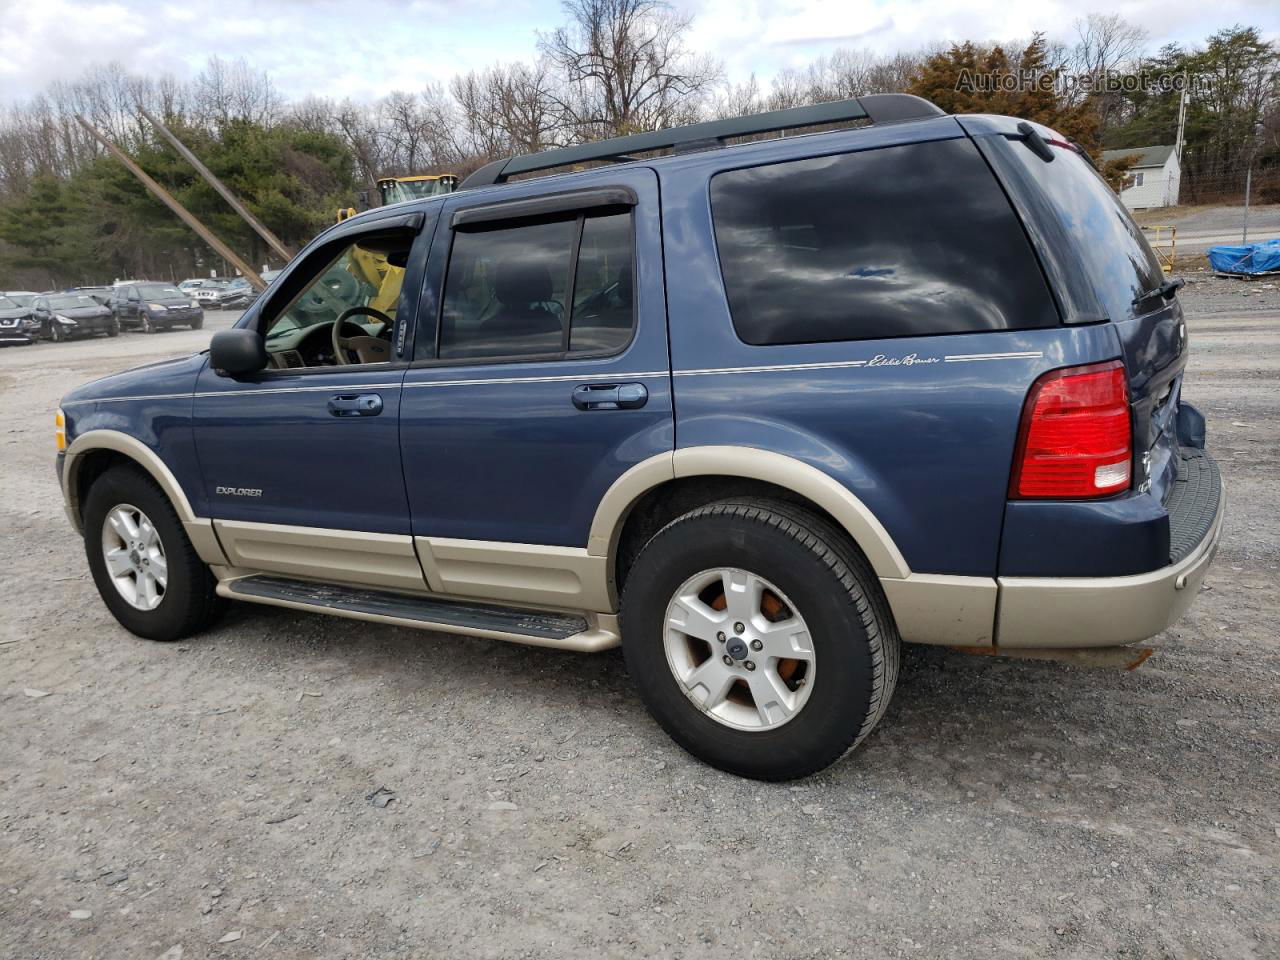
(66, 315)
(101, 294)
(757, 412)
(154, 307)
(17, 323)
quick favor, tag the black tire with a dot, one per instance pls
(855, 641)
(147, 325)
(113, 328)
(55, 332)
(189, 603)
(197, 324)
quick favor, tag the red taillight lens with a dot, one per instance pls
(1075, 439)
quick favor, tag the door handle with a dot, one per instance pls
(355, 405)
(610, 396)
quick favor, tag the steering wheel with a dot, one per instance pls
(366, 348)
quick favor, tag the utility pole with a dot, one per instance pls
(169, 201)
(1248, 181)
(1182, 121)
(272, 240)
(1248, 184)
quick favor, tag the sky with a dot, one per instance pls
(365, 48)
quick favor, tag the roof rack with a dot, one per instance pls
(877, 107)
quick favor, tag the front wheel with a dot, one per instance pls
(759, 638)
(197, 323)
(113, 328)
(147, 325)
(142, 562)
(55, 332)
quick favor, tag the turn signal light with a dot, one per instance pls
(1075, 440)
(60, 431)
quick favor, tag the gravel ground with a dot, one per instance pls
(1206, 295)
(211, 798)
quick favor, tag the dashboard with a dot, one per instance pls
(312, 346)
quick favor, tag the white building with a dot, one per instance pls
(1152, 181)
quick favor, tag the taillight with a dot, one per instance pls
(1075, 439)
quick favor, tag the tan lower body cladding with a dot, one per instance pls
(557, 577)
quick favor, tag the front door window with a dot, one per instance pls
(345, 314)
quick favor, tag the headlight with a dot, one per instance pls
(61, 319)
(157, 307)
(60, 430)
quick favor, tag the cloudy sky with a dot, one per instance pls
(364, 48)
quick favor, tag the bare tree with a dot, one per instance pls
(1105, 44)
(626, 67)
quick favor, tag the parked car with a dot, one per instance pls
(757, 413)
(17, 323)
(153, 307)
(101, 294)
(189, 287)
(66, 315)
(22, 298)
(224, 294)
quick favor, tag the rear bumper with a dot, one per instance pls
(1110, 611)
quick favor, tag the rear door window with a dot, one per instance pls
(1119, 261)
(517, 290)
(901, 241)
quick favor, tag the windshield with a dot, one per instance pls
(22, 299)
(1116, 255)
(158, 291)
(71, 302)
(398, 191)
(7, 304)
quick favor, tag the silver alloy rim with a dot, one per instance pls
(739, 649)
(135, 558)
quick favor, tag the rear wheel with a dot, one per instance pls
(759, 638)
(142, 562)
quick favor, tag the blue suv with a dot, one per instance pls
(756, 411)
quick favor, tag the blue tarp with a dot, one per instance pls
(1261, 257)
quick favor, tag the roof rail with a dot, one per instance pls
(877, 107)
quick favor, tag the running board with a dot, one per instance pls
(565, 631)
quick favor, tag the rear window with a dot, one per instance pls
(903, 241)
(1116, 255)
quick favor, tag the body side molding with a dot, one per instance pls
(198, 529)
(564, 577)
(348, 556)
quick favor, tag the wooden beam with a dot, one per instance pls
(169, 201)
(272, 240)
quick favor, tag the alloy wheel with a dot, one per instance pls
(739, 649)
(134, 556)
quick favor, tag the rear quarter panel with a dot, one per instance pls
(921, 429)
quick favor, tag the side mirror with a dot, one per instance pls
(237, 352)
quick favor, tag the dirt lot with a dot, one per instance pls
(162, 799)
